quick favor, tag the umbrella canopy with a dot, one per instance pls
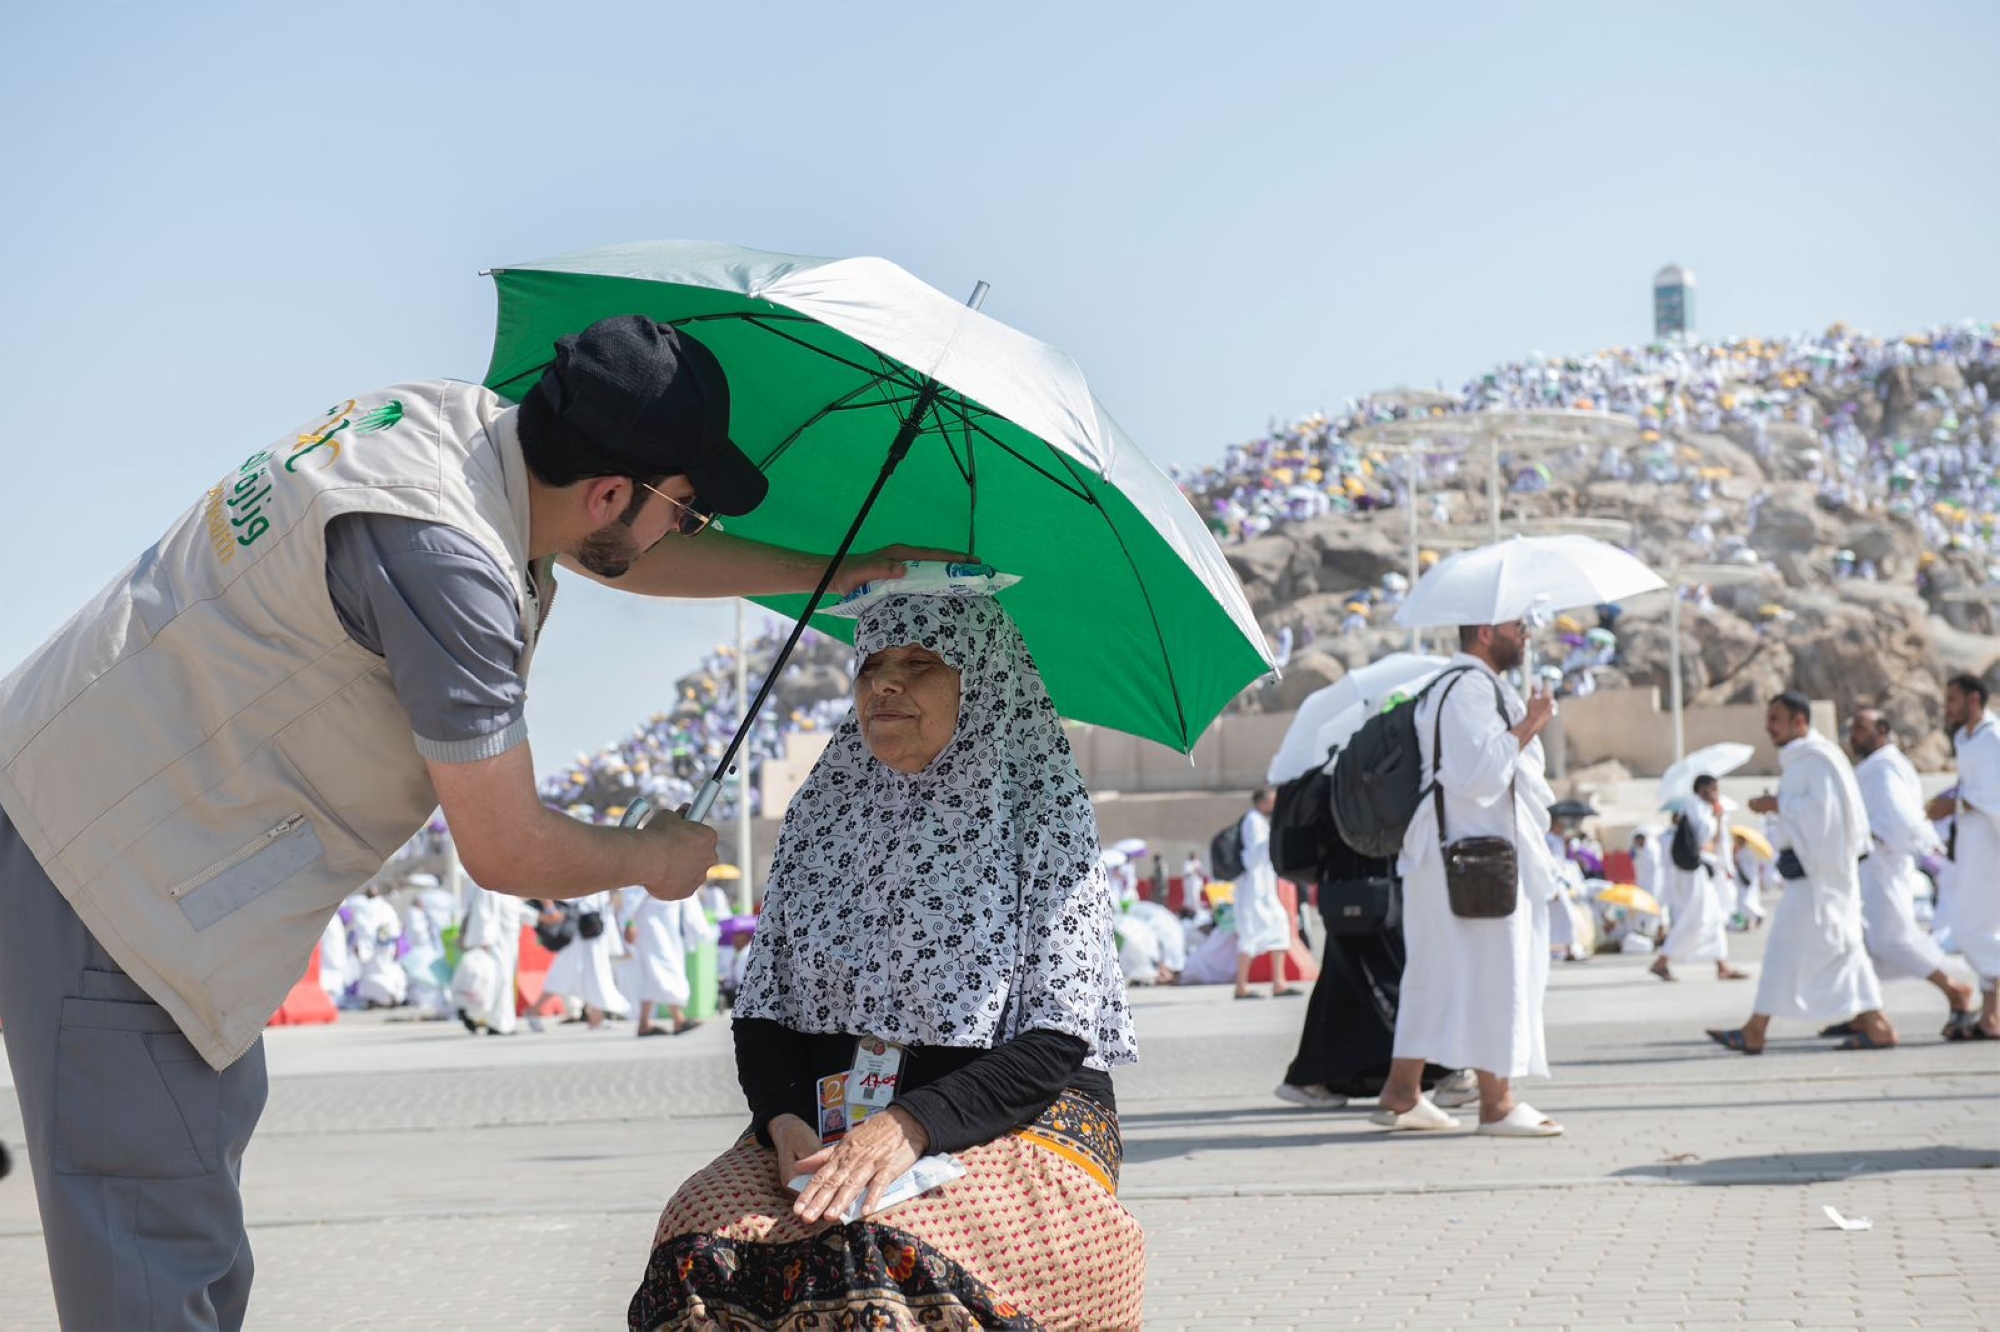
(1756, 841)
(1133, 615)
(1512, 579)
(1717, 760)
(1631, 897)
(1365, 686)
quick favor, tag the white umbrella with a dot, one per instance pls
(1718, 760)
(1370, 684)
(1511, 579)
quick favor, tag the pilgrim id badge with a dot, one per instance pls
(872, 1080)
(839, 1116)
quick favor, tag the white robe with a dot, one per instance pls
(1166, 927)
(1815, 966)
(582, 970)
(1701, 897)
(1890, 879)
(1752, 873)
(493, 924)
(1973, 887)
(664, 934)
(378, 929)
(1472, 989)
(1139, 951)
(1260, 917)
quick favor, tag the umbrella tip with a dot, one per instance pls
(978, 296)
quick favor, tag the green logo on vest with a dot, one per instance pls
(234, 513)
(380, 418)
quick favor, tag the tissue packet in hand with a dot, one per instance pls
(928, 1173)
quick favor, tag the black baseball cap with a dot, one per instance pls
(653, 395)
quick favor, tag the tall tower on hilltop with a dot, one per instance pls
(1673, 302)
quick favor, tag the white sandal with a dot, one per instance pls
(1523, 1121)
(1423, 1115)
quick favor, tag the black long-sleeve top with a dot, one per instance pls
(962, 1097)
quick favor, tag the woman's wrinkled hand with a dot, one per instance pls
(867, 1161)
(795, 1141)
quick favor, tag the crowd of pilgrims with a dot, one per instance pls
(1941, 475)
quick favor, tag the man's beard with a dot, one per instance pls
(1507, 656)
(609, 551)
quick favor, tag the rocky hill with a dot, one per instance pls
(1889, 640)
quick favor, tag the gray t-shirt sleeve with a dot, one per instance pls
(436, 606)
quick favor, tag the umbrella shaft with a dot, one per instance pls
(899, 449)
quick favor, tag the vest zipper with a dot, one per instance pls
(188, 885)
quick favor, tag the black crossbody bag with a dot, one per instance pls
(1482, 875)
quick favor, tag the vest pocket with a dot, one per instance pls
(133, 1098)
(248, 872)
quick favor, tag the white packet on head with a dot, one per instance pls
(928, 1173)
(932, 578)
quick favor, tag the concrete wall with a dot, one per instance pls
(1630, 726)
(1232, 755)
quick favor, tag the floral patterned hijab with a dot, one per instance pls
(961, 905)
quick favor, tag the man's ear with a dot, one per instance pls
(604, 498)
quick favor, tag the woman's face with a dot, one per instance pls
(906, 699)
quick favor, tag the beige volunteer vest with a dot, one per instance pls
(202, 759)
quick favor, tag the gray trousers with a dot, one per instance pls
(137, 1144)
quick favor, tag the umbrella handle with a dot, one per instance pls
(641, 811)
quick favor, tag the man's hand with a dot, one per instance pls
(1541, 709)
(677, 854)
(795, 1141)
(1941, 807)
(875, 565)
(868, 1159)
(1764, 804)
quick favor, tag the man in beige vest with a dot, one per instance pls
(269, 702)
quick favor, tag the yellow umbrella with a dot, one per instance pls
(1568, 624)
(1356, 486)
(1715, 474)
(724, 872)
(1756, 841)
(1630, 896)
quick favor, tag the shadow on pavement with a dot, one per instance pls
(1815, 1167)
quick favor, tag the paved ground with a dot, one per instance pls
(408, 1175)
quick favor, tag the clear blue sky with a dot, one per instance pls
(219, 217)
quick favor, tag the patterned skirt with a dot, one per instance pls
(1032, 1237)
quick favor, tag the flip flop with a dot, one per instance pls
(1965, 1027)
(1840, 1029)
(1523, 1121)
(1733, 1040)
(1861, 1040)
(1423, 1115)
(1252, 995)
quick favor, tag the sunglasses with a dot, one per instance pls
(690, 520)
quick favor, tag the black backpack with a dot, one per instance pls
(1378, 780)
(555, 935)
(1685, 849)
(1225, 852)
(1303, 836)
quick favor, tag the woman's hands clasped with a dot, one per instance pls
(867, 1161)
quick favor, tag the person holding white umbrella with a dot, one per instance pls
(1700, 896)
(1472, 988)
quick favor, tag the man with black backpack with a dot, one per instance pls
(1701, 892)
(1476, 883)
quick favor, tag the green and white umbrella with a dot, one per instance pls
(1131, 611)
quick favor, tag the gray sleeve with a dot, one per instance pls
(436, 606)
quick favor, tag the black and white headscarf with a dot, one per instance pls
(962, 905)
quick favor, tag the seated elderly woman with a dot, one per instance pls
(936, 888)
